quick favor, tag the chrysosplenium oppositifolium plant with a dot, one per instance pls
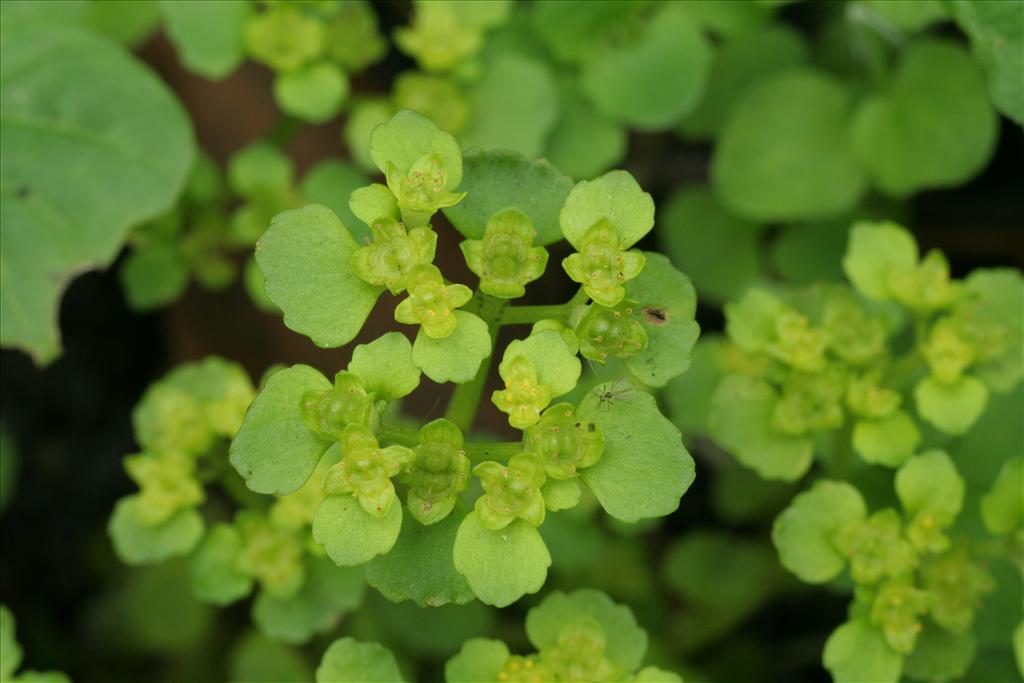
(886, 375)
(580, 636)
(335, 479)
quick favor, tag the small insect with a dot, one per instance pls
(621, 390)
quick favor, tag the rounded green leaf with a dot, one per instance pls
(886, 441)
(457, 357)
(584, 142)
(350, 534)
(652, 674)
(666, 303)
(479, 660)
(929, 483)
(874, 250)
(997, 42)
(501, 566)
(497, 180)
(720, 252)
(305, 258)
(645, 468)
(274, 451)
(940, 655)
(856, 652)
(514, 106)
(688, 396)
(723, 572)
(557, 366)
(386, 367)
(372, 203)
(349, 661)
(407, 138)
(953, 408)
(208, 34)
(137, 542)
(313, 93)
(419, 567)
(784, 154)
(654, 80)
(257, 659)
(804, 532)
(327, 593)
(214, 571)
(330, 183)
(1002, 508)
(932, 126)
(154, 276)
(996, 296)
(740, 420)
(93, 144)
(615, 196)
(626, 641)
(735, 65)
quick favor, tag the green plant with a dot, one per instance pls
(340, 462)
(823, 373)
(582, 636)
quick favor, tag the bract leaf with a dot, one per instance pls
(887, 441)
(328, 592)
(557, 367)
(330, 183)
(457, 357)
(501, 566)
(741, 421)
(615, 196)
(479, 660)
(386, 367)
(667, 304)
(626, 641)
(874, 250)
(953, 408)
(407, 138)
(305, 257)
(645, 468)
(497, 180)
(804, 533)
(1002, 508)
(349, 661)
(350, 534)
(857, 652)
(214, 572)
(137, 542)
(274, 451)
(419, 567)
(929, 484)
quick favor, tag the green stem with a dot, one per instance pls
(397, 434)
(527, 315)
(842, 453)
(466, 399)
(478, 451)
